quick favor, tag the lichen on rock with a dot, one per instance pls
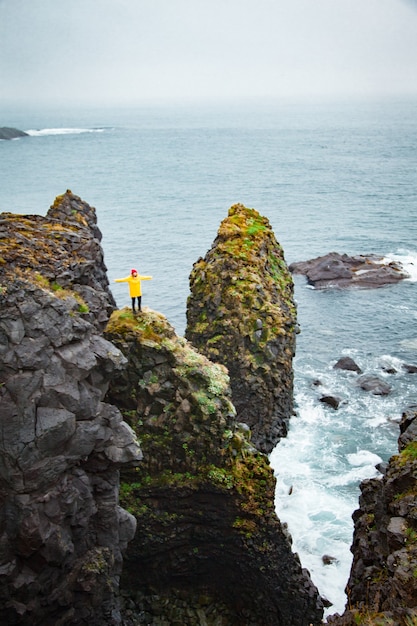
(61, 251)
(62, 531)
(241, 313)
(382, 587)
(203, 495)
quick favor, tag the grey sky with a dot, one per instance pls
(145, 50)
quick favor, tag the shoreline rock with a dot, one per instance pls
(335, 270)
(382, 585)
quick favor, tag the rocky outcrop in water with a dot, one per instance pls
(11, 133)
(382, 588)
(62, 531)
(241, 313)
(341, 270)
(203, 495)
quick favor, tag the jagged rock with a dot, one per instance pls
(374, 384)
(382, 583)
(332, 401)
(328, 560)
(342, 270)
(410, 369)
(241, 313)
(62, 531)
(203, 496)
(347, 363)
(408, 427)
(11, 133)
(61, 252)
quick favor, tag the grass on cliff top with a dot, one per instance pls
(154, 330)
(35, 242)
(258, 281)
(148, 327)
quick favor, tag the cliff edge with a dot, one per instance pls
(382, 587)
(62, 531)
(203, 496)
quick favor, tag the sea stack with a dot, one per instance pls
(241, 313)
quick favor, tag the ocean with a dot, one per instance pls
(330, 176)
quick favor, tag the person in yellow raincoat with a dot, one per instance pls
(135, 287)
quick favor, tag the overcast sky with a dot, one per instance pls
(144, 50)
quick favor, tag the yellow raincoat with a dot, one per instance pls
(135, 287)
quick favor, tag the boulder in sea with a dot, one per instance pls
(333, 401)
(342, 270)
(11, 133)
(347, 363)
(374, 384)
(241, 313)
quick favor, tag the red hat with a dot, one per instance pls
(133, 271)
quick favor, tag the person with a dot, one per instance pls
(135, 287)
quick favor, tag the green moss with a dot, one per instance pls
(408, 455)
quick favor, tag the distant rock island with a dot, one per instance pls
(11, 133)
(341, 270)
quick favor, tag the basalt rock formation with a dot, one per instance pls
(342, 270)
(60, 251)
(11, 133)
(62, 531)
(203, 496)
(241, 313)
(382, 588)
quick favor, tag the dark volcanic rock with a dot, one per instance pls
(382, 583)
(341, 270)
(62, 531)
(347, 363)
(374, 384)
(203, 496)
(332, 401)
(60, 252)
(11, 133)
(241, 313)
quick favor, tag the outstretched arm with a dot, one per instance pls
(145, 277)
(122, 280)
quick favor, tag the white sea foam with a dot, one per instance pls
(409, 344)
(62, 131)
(363, 458)
(408, 260)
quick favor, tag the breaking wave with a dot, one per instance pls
(62, 131)
(408, 260)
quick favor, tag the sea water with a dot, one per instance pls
(329, 177)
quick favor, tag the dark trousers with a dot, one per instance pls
(139, 299)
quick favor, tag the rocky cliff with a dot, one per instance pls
(203, 495)
(62, 531)
(382, 588)
(241, 313)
